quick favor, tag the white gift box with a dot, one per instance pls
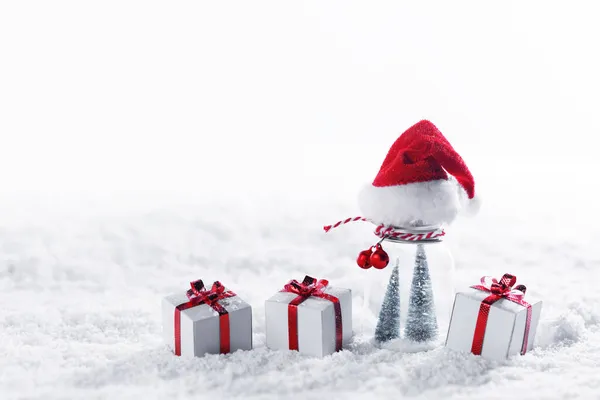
(202, 327)
(316, 325)
(505, 329)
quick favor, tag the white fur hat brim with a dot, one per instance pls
(436, 202)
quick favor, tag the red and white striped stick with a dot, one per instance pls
(329, 227)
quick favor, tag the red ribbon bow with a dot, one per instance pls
(503, 288)
(198, 295)
(198, 291)
(310, 287)
(499, 290)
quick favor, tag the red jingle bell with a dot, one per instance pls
(379, 259)
(363, 259)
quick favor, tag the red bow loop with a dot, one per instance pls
(308, 287)
(503, 288)
(207, 296)
(521, 288)
(196, 288)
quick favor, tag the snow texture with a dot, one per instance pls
(81, 308)
(388, 322)
(149, 144)
(421, 322)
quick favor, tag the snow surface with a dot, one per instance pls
(145, 145)
(81, 306)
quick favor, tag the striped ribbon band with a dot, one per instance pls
(384, 231)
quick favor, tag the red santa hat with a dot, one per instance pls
(421, 179)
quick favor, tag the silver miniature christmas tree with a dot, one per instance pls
(421, 322)
(388, 323)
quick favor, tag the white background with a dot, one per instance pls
(144, 143)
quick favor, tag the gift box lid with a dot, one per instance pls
(312, 302)
(502, 304)
(201, 311)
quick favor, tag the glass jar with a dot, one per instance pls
(426, 286)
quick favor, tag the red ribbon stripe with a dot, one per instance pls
(198, 296)
(310, 287)
(499, 290)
